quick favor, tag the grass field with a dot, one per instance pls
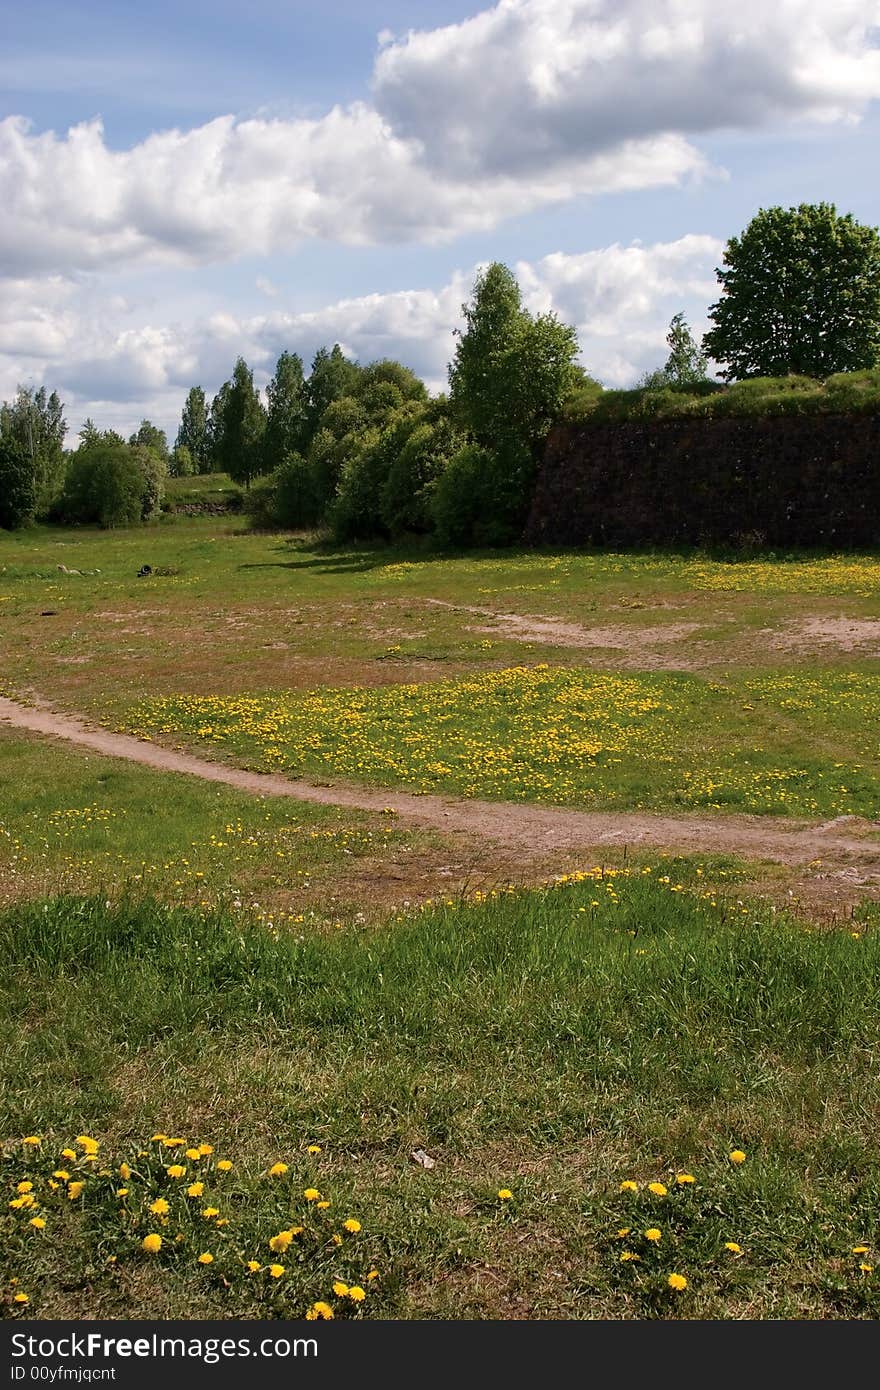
(552, 1046)
(261, 975)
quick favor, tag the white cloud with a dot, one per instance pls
(620, 298)
(530, 103)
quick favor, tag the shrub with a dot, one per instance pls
(112, 485)
(480, 497)
(409, 487)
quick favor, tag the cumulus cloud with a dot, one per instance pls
(529, 103)
(621, 299)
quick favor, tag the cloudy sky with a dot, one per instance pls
(182, 182)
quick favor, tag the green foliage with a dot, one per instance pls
(241, 425)
(356, 513)
(193, 432)
(18, 498)
(287, 405)
(481, 496)
(845, 392)
(332, 375)
(181, 464)
(388, 372)
(149, 436)
(686, 364)
(511, 372)
(285, 499)
(408, 490)
(800, 294)
(36, 423)
(110, 484)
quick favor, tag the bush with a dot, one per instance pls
(286, 499)
(355, 512)
(408, 489)
(18, 490)
(112, 485)
(481, 496)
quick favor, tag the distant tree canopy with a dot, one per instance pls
(149, 436)
(800, 294)
(35, 422)
(110, 483)
(287, 410)
(686, 364)
(193, 432)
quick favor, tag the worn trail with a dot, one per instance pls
(528, 830)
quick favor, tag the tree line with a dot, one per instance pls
(363, 451)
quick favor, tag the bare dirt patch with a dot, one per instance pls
(844, 634)
(556, 632)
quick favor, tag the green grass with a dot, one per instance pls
(553, 1044)
(803, 743)
(78, 822)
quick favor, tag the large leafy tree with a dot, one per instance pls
(511, 371)
(193, 431)
(286, 413)
(244, 424)
(800, 294)
(35, 421)
(333, 375)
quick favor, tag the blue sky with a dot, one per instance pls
(253, 178)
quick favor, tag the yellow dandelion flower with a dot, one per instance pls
(224, 1166)
(160, 1207)
(312, 1194)
(152, 1243)
(53, 1185)
(626, 1255)
(277, 1170)
(732, 1246)
(373, 1274)
(194, 1154)
(20, 1297)
(677, 1282)
(205, 1149)
(684, 1178)
(210, 1212)
(336, 1238)
(313, 1149)
(280, 1242)
(652, 1234)
(321, 1310)
(351, 1225)
(38, 1223)
(74, 1190)
(340, 1289)
(504, 1194)
(89, 1145)
(254, 1266)
(223, 1221)
(866, 1269)
(122, 1192)
(124, 1172)
(176, 1170)
(659, 1189)
(61, 1173)
(629, 1186)
(276, 1271)
(322, 1206)
(206, 1258)
(69, 1154)
(158, 1138)
(737, 1156)
(173, 1143)
(195, 1189)
(25, 1187)
(860, 1249)
(32, 1139)
(357, 1294)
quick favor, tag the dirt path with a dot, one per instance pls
(525, 830)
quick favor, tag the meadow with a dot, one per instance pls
(194, 975)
